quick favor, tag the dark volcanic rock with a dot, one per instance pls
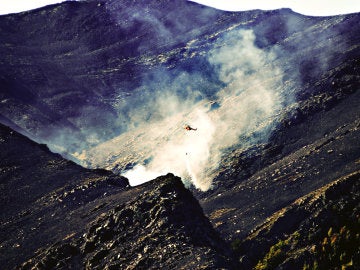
(163, 228)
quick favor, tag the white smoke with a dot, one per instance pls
(243, 111)
(253, 91)
(189, 155)
(249, 103)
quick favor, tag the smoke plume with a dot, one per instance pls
(246, 102)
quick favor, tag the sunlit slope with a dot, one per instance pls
(262, 86)
(94, 71)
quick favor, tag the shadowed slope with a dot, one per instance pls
(73, 217)
(163, 228)
(321, 228)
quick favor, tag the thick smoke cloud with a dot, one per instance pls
(247, 102)
(231, 88)
(236, 102)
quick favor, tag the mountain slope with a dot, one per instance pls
(163, 228)
(71, 76)
(88, 55)
(320, 230)
(40, 189)
(324, 147)
(86, 78)
(31, 171)
(72, 217)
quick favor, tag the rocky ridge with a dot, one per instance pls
(161, 225)
(162, 228)
(72, 218)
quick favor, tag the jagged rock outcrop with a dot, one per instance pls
(72, 217)
(162, 228)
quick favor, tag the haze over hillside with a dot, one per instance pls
(273, 157)
(134, 90)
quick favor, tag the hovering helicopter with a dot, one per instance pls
(188, 128)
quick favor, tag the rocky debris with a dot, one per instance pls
(163, 228)
(40, 194)
(57, 257)
(321, 228)
(46, 199)
(305, 157)
(242, 162)
(39, 175)
(89, 189)
(158, 225)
